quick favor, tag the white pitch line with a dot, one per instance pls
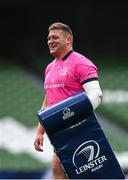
(17, 138)
(115, 96)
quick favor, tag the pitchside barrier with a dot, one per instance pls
(79, 141)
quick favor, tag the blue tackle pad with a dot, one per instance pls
(79, 140)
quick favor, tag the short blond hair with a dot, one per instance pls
(60, 26)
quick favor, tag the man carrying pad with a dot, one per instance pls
(67, 75)
(79, 141)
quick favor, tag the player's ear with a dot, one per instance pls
(69, 39)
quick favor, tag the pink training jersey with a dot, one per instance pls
(64, 78)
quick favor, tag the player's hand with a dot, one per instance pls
(38, 143)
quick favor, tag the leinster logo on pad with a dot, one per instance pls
(86, 157)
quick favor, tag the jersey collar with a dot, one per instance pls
(66, 56)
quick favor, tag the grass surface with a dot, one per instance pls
(17, 162)
(21, 95)
(113, 73)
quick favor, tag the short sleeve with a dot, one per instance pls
(86, 72)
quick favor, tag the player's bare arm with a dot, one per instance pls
(38, 143)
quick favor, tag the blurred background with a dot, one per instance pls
(100, 33)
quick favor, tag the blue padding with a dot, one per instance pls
(66, 113)
(85, 152)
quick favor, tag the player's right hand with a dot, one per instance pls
(38, 143)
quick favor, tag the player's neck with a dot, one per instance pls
(63, 54)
